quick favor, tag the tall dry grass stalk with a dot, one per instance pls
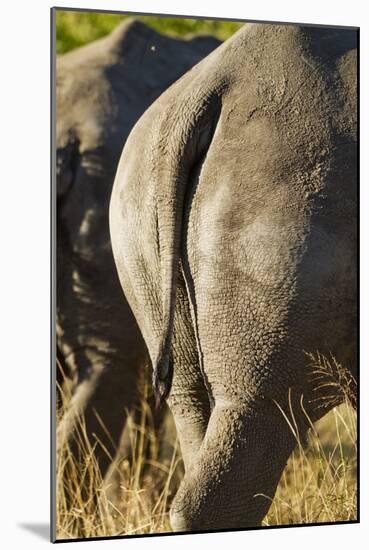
(319, 483)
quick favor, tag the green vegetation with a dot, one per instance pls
(76, 28)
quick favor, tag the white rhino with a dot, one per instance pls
(233, 223)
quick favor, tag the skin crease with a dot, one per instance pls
(102, 89)
(233, 226)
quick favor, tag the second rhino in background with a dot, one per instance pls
(101, 91)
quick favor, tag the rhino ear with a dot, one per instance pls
(67, 162)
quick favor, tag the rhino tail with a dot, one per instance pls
(187, 139)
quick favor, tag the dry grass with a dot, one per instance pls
(319, 483)
(147, 482)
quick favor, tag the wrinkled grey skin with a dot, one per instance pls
(233, 223)
(102, 90)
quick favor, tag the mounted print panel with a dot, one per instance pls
(205, 245)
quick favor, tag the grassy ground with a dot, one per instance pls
(74, 29)
(319, 483)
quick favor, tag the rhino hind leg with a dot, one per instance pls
(237, 470)
(97, 414)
